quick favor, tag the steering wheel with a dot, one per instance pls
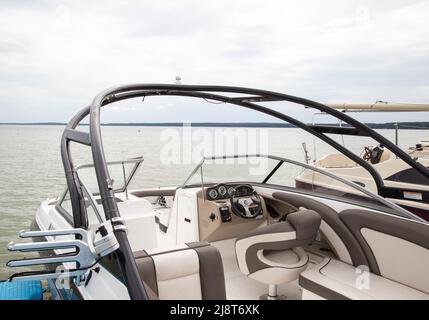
(367, 154)
(248, 207)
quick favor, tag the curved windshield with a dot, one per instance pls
(282, 172)
(121, 173)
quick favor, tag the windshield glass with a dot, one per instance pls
(272, 170)
(217, 170)
(121, 173)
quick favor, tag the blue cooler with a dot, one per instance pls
(21, 290)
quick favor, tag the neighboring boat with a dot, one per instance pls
(403, 184)
(220, 237)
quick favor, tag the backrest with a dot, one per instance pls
(192, 271)
(397, 248)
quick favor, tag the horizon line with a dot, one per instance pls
(382, 125)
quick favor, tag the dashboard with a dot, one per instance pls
(226, 210)
(226, 191)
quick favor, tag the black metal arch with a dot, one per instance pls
(93, 139)
(243, 103)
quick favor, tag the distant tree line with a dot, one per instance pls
(387, 125)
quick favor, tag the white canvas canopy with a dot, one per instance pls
(379, 106)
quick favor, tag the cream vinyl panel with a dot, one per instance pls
(399, 260)
(335, 242)
(182, 275)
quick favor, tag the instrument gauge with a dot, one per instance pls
(222, 190)
(213, 194)
(231, 191)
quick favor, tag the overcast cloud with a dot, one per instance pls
(56, 56)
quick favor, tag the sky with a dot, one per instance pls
(56, 56)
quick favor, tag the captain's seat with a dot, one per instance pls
(273, 255)
(191, 271)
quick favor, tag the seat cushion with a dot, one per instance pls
(336, 280)
(300, 229)
(284, 257)
(284, 265)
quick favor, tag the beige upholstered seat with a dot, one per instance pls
(272, 254)
(192, 271)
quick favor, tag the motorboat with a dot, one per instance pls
(403, 184)
(216, 236)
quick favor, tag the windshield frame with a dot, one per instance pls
(127, 178)
(400, 211)
(68, 216)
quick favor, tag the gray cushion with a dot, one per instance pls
(306, 223)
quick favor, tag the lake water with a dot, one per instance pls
(31, 168)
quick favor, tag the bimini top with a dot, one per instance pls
(380, 106)
(238, 96)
